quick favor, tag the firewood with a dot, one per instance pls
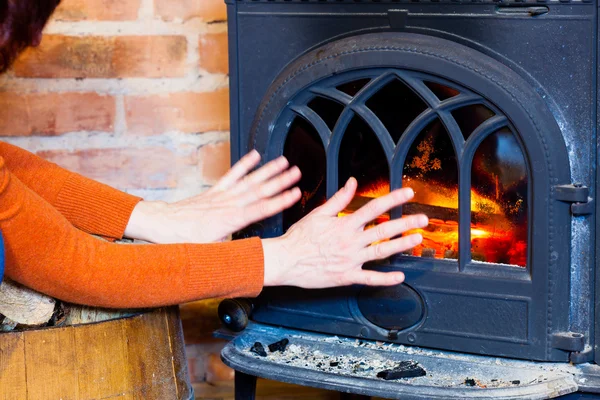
(76, 314)
(7, 324)
(24, 306)
(433, 212)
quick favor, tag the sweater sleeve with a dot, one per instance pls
(89, 205)
(45, 252)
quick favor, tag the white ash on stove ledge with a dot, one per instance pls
(375, 364)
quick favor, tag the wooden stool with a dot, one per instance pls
(138, 357)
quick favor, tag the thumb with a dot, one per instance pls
(341, 199)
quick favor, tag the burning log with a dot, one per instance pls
(428, 253)
(433, 212)
(493, 236)
(451, 254)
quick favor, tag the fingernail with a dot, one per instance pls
(423, 221)
(400, 278)
(410, 193)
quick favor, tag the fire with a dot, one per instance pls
(493, 236)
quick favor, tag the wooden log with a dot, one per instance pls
(7, 324)
(433, 212)
(24, 306)
(76, 314)
(138, 357)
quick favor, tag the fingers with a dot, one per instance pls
(381, 205)
(238, 171)
(269, 207)
(388, 249)
(340, 200)
(393, 228)
(374, 278)
(270, 188)
(263, 174)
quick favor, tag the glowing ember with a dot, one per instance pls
(493, 237)
(377, 189)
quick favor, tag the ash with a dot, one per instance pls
(304, 357)
(368, 364)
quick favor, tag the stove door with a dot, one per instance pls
(483, 154)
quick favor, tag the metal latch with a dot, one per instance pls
(568, 341)
(578, 195)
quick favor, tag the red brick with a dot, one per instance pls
(124, 168)
(105, 57)
(99, 10)
(216, 370)
(213, 53)
(55, 113)
(206, 10)
(186, 112)
(214, 161)
(199, 320)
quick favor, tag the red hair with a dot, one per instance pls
(21, 25)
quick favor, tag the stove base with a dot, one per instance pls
(351, 366)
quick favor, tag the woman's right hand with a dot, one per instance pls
(323, 250)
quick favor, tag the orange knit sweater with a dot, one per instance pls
(47, 214)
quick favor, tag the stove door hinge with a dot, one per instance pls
(568, 341)
(579, 197)
(581, 357)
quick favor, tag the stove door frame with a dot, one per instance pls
(541, 295)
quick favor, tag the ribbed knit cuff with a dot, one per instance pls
(232, 269)
(94, 207)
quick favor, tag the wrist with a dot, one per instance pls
(274, 258)
(146, 220)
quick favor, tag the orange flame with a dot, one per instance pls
(495, 242)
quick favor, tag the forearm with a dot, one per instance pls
(46, 253)
(89, 205)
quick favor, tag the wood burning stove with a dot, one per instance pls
(487, 109)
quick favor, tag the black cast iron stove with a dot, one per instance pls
(488, 110)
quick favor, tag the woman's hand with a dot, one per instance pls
(323, 250)
(238, 199)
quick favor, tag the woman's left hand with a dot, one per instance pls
(238, 199)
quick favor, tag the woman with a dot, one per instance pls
(48, 216)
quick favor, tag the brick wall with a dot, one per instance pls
(133, 93)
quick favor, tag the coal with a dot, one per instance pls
(405, 369)
(428, 253)
(516, 382)
(258, 349)
(279, 346)
(451, 254)
(470, 382)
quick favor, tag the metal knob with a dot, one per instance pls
(235, 313)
